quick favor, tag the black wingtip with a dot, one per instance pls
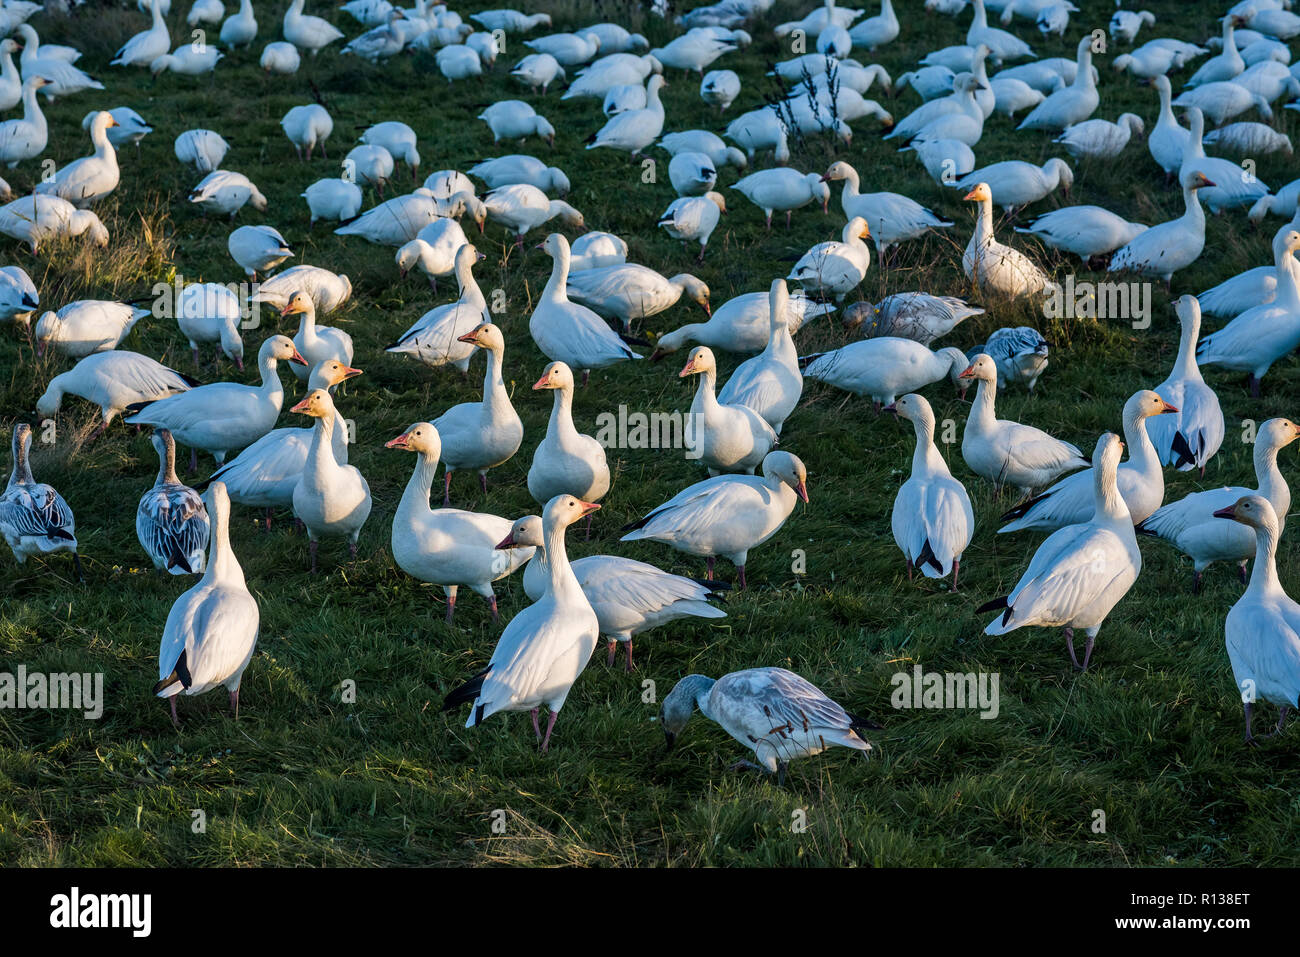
(1023, 508)
(467, 692)
(1183, 450)
(180, 673)
(993, 605)
(858, 721)
(927, 557)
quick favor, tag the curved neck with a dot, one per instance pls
(22, 472)
(320, 457)
(1271, 483)
(1263, 576)
(1195, 215)
(167, 465)
(851, 183)
(1185, 365)
(555, 290)
(494, 387)
(1141, 452)
(561, 422)
(561, 581)
(1110, 504)
(222, 563)
(981, 407)
(31, 109)
(416, 495)
(7, 68)
(706, 399)
(926, 458)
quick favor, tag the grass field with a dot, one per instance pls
(1150, 735)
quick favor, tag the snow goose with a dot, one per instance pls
(171, 521)
(1189, 524)
(1020, 354)
(1223, 100)
(315, 343)
(307, 32)
(1262, 630)
(240, 29)
(1009, 453)
(942, 159)
(115, 381)
(595, 250)
(1016, 183)
(479, 436)
(327, 289)
(1167, 247)
(783, 190)
(1002, 45)
(1086, 231)
(1273, 21)
(34, 219)
(918, 316)
(1188, 438)
(435, 338)
(25, 138)
(929, 82)
(307, 127)
(129, 128)
(1244, 290)
(546, 646)
(1140, 479)
(11, 83)
(892, 217)
(1125, 24)
(621, 99)
(693, 51)
(510, 21)
(518, 168)
(202, 149)
(720, 88)
(145, 47)
(1080, 572)
(836, 268)
(1150, 61)
(394, 222)
(876, 31)
(1068, 105)
(1100, 139)
(569, 49)
(741, 324)
(746, 704)
(710, 144)
(435, 256)
(368, 13)
(1261, 335)
(205, 11)
(629, 597)
(770, 383)
(1271, 80)
(209, 313)
(692, 174)
(615, 39)
(225, 192)
(86, 326)
(187, 60)
(85, 181)
(566, 331)
(1227, 64)
(611, 71)
(884, 367)
(566, 461)
(1230, 186)
(727, 515)
(932, 518)
(1011, 96)
(521, 208)
(222, 416)
(694, 218)
(331, 499)
(538, 70)
(34, 518)
(257, 249)
(18, 295)
(996, 268)
(725, 438)
(1249, 139)
(280, 57)
(369, 165)
(516, 120)
(211, 630)
(380, 42)
(633, 130)
(923, 122)
(818, 19)
(458, 62)
(628, 292)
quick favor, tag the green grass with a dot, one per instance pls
(1151, 734)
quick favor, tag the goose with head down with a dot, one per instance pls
(629, 291)
(86, 326)
(115, 380)
(741, 324)
(783, 190)
(885, 367)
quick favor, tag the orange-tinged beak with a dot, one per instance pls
(507, 542)
(1228, 512)
(289, 310)
(542, 383)
(970, 371)
(689, 369)
(301, 406)
(397, 443)
(589, 507)
(297, 357)
(802, 491)
(708, 310)
(350, 372)
(471, 337)
(1168, 407)
(970, 196)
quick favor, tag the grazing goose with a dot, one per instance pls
(35, 219)
(770, 383)
(115, 381)
(885, 367)
(727, 515)
(25, 138)
(315, 344)
(546, 646)
(1167, 247)
(710, 144)
(239, 29)
(1263, 334)
(996, 268)
(568, 332)
(398, 140)
(1222, 101)
(692, 174)
(18, 295)
(918, 316)
(692, 218)
(1071, 104)
(394, 222)
(225, 193)
(1151, 60)
(518, 168)
(331, 499)
(1262, 630)
(1086, 231)
(836, 268)
(611, 71)
(932, 519)
(776, 712)
(694, 50)
(1020, 354)
(511, 21)
(187, 60)
(1189, 524)
(433, 250)
(307, 127)
(628, 597)
(521, 208)
(34, 518)
(1016, 183)
(1141, 481)
(741, 325)
(958, 116)
(458, 62)
(171, 521)
(1188, 438)
(1125, 24)
(1080, 572)
(1005, 452)
(223, 416)
(783, 190)
(205, 11)
(202, 149)
(383, 41)
(1250, 139)
(481, 435)
(85, 181)
(724, 438)
(594, 250)
(211, 630)
(1229, 185)
(257, 249)
(628, 292)
(720, 88)
(942, 159)
(633, 130)
(569, 49)
(86, 326)
(328, 290)
(566, 461)
(208, 312)
(1011, 96)
(143, 48)
(516, 120)
(435, 338)
(369, 165)
(307, 32)
(538, 70)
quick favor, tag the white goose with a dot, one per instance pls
(115, 381)
(783, 190)
(86, 326)
(693, 218)
(1167, 247)
(746, 704)
(331, 499)
(240, 29)
(307, 127)
(568, 332)
(394, 222)
(538, 70)
(35, 219)
(633, 130)
(516, 120)
(728, 515)
(1068, 105)
(724, 438)
(336, 200)
(1223, 100)
(280, 57)
(171, 521)
(518, 168)
(145, 47)
(223, 416)
(1229, 186)
(1168, 139)
(1002, 45)
(1015, 183)
(458, 62)
(11, 83)
(876, 31)
(1080, 572)
(702, 141)
(480, 436)
(1005, 452)
(546, 646)
(741, 325)
(996, 268)
(208, 312)
(257, 249)
(628, 292)
(1189, 524)
(1244, 290)
(521, 208)
(770, 383)
(399, 140)
(1227, 63)
(957, 116)
(932, 518)
(836, 268)
(202, 149)
(85, 181)
(34, 518)
(226, 192)
(436, 337)
(211, 630)
(187, 60)
(314, 343)
(1262, 630)
(595, 250)
(885, 367)
(628, 597)
(307, 32)
(25, 138)
(327, 289)
(1140, 480)
(1085, 231)
(433, 250)
(566, 461)
(1188, 438)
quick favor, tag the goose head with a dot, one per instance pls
(84, 221)
(410, 254)
(421, 437)
(957, 365)
(329, 373)
(278, 348)
(101, 123)
(558, 181)
(820, 191)
(696, 289)
(982, 368)
(857, 228)
(718, 200)
(555, 246)
(700, 360)
(567, 214)
(1145, 403)
(1061, 170)
(563, 510)
(47, 328)
(1253, 510)
(679, 704)
(485, 336)
(1277, 433)
(1285, 242)
(299, 304)
(543, 128)
(1134, 123)
(789, 468)
(525, 532)
(318, 405)
(915, 409)
(1188, 309)
(980, 194)
(556, 376)
(10, 46)
(1194, 179)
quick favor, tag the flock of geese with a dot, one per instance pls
(1093, 503)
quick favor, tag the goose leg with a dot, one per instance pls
(629, 667)
(1069, 643)
(311, 548)
(780, 774)
(1249, 709)
(234, 702)
(352, 550)
(590, 516)
(1087, 651)
(536, 729)
(1196, 583)
(955, 565)
(613, 648)
(1241, 573)
(194, 460)
(740, 569)
(1281, 720)
(909, 569)
(1254, 386)
(76, 566)
(708, 574)
(550, 725)
(451, 607)
(446, 488)
(492, 603)
(176, 721)
(482, 481)
(268, 519)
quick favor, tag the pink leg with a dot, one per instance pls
(909, 569)
(175, 720)
(536, 730)
(482, 481)
(586, 375)
(352, 550)
(546, 741)
(451, 607)
(194, 460)
(955, 565)
(268, 519)
(613, 647)
(629, 667)
(1087, 651)
(740, 569)
(492, 603)
(708, 564)
(311, 548)
(234, 702)
(446, 488)
(1069, 643)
